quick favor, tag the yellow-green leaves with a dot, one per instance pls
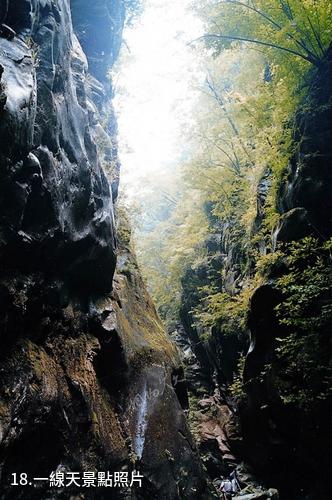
(297, 28)
(306, 314)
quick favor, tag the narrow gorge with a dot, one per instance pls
(179, 365)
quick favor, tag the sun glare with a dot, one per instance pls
(155, 85)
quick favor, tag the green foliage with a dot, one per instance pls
(242, 128)
(255, 90)
(167, 246)
(300, 28)
(237, 387)
(223, 309)
(305, 374)
(265, 263)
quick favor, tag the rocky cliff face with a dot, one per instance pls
(280, 424)
(89, 379)
(291, 443)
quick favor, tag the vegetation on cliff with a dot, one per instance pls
(234, 235)
(258, 58)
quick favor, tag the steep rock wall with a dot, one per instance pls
(288, 442)
(88, 376)
(284, 437)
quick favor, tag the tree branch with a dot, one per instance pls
(300, 43)
(308, 58)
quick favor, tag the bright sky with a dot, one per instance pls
(155, 88)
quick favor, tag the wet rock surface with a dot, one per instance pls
(56, 206)
(87, 372)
